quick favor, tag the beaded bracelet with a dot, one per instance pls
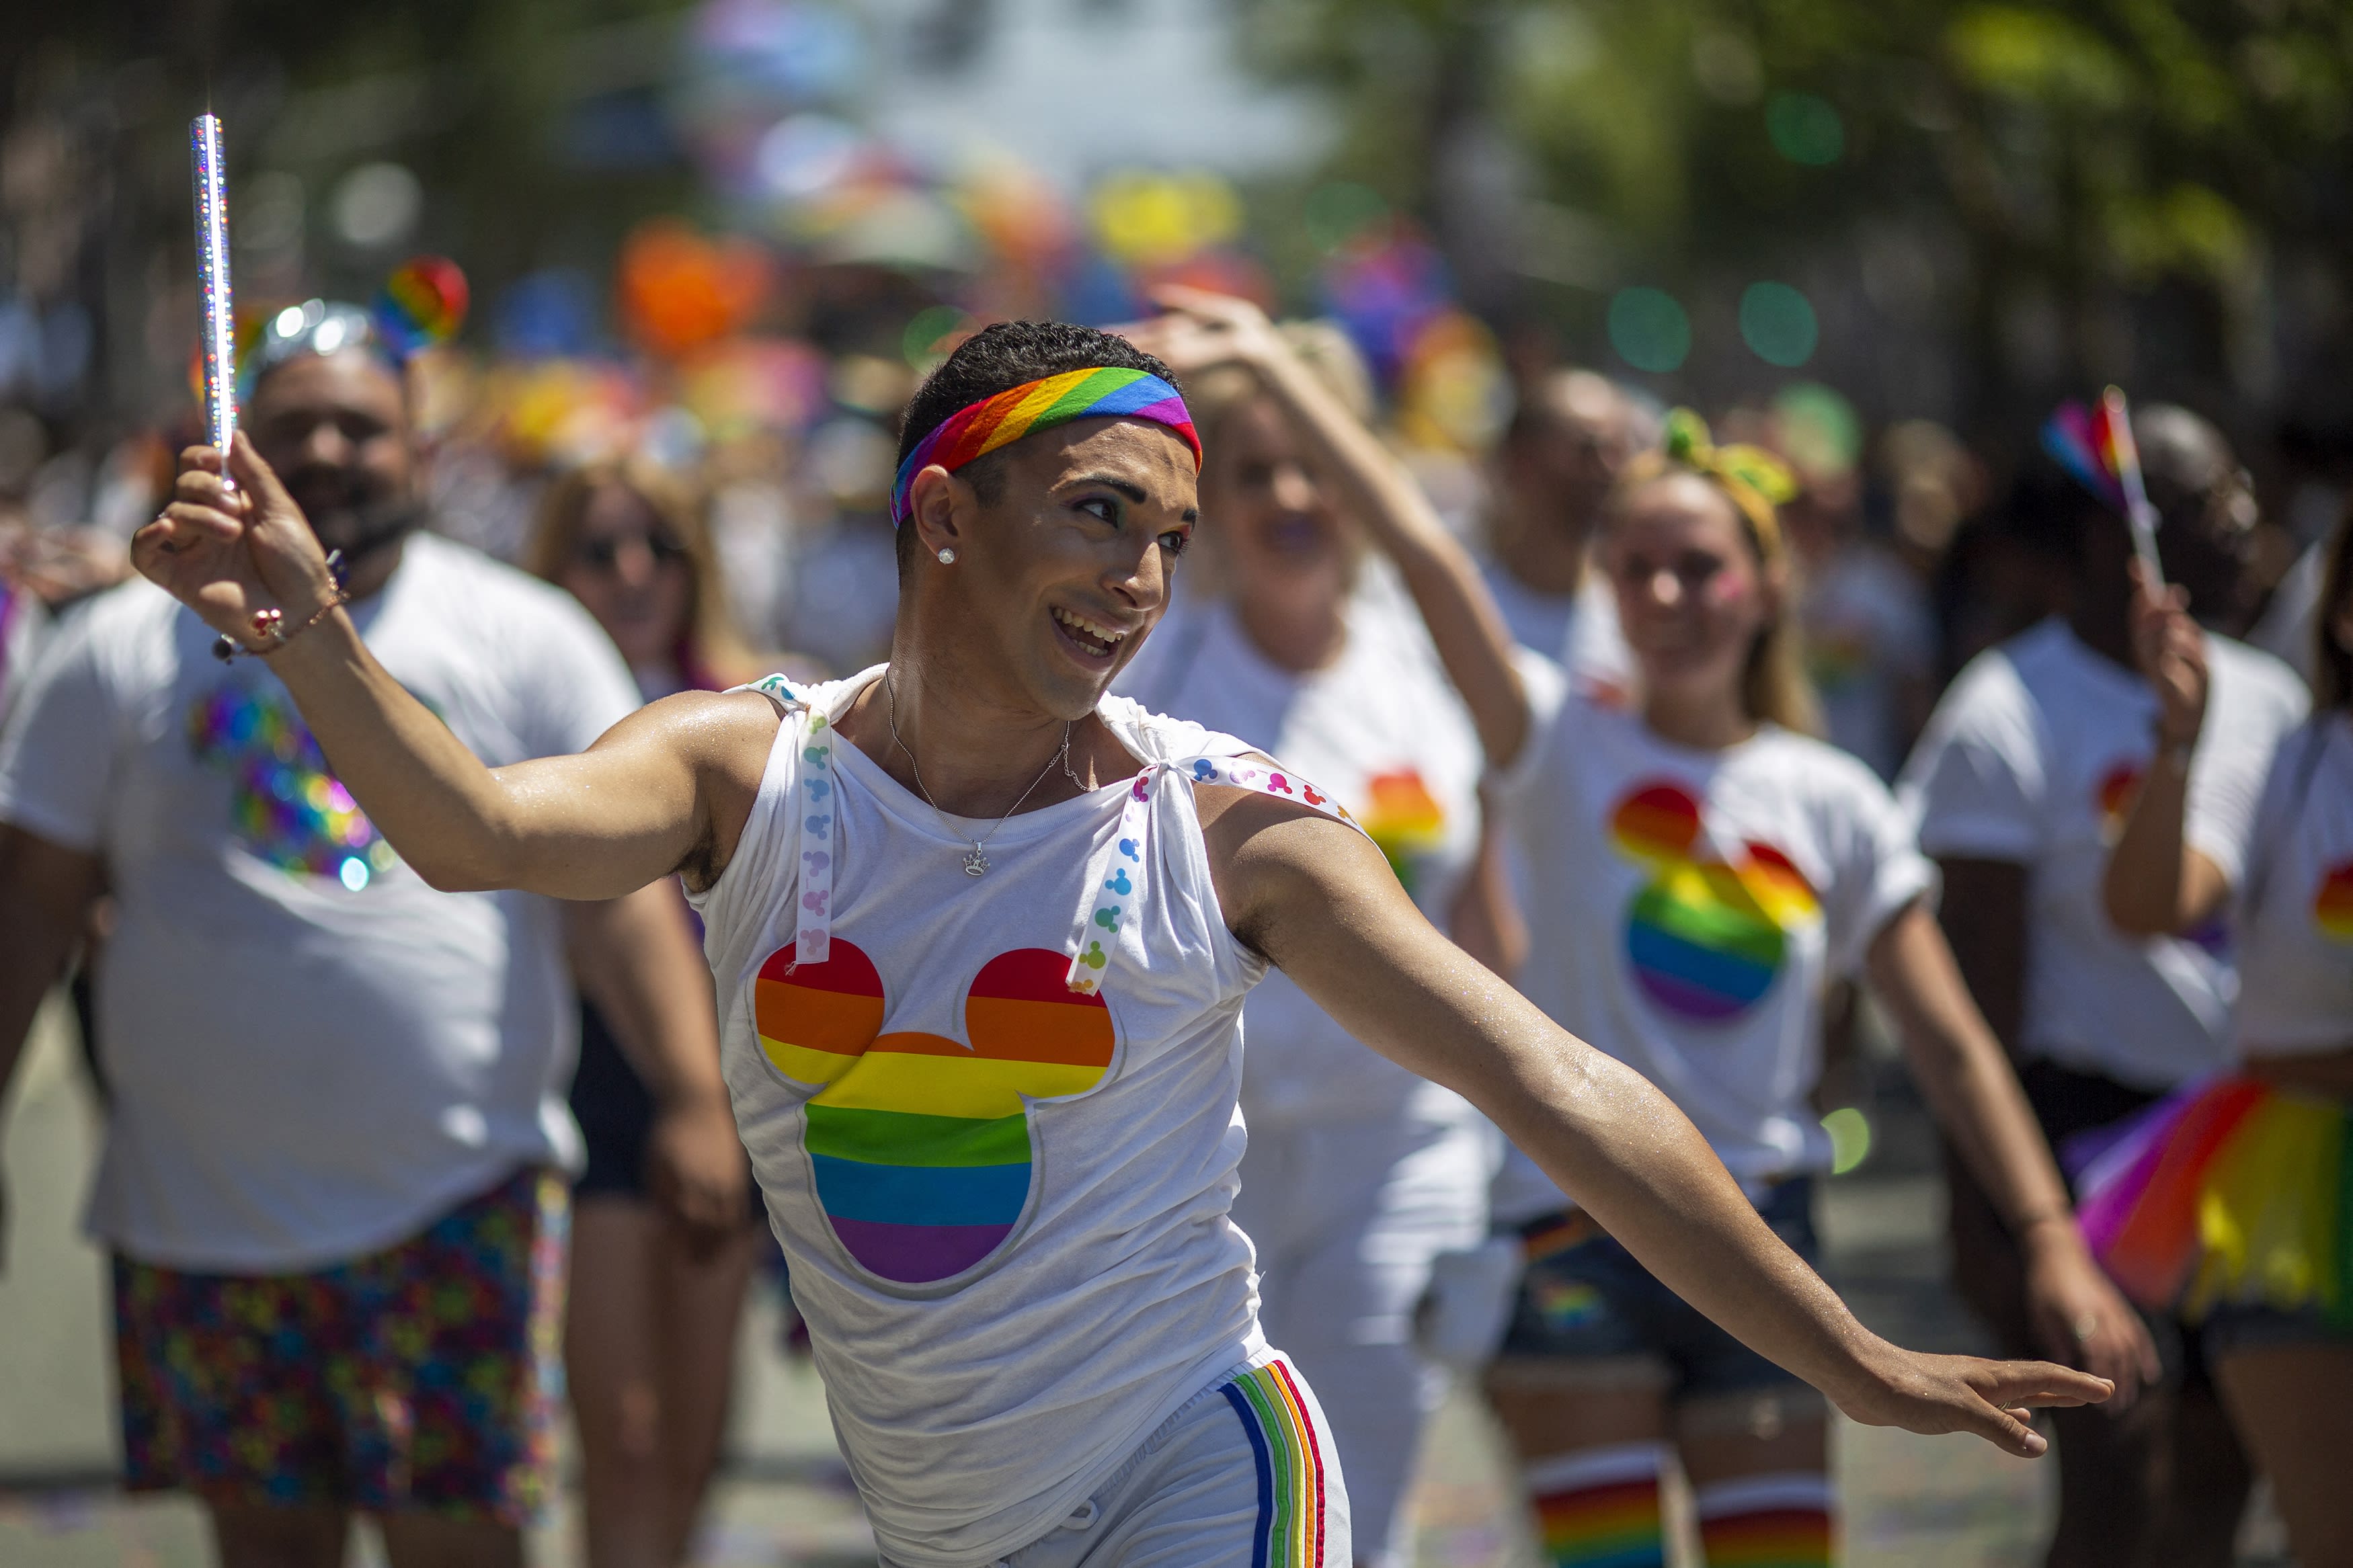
(270, 625)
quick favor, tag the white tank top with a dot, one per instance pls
(993, 1117)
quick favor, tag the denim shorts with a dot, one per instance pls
(1584, 1297)
(2234, 1326)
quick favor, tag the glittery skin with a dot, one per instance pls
(209, 176)
(288, 808)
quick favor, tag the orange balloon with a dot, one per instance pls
(680, 290)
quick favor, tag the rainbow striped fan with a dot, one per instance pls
(2227, 1191)
(421, 304)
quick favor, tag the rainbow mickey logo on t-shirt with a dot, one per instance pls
(1402, 818)
(2332, 905)
(1705, 937)
(921, 1145)
(2114, 797)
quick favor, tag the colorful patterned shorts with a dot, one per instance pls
(422, 1376)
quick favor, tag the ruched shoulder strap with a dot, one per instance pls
(1115, 889)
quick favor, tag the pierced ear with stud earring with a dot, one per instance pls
(947, 556)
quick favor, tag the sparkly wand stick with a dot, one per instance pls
(211, 183)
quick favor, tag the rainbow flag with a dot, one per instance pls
(2085, 443)
(2096, 446)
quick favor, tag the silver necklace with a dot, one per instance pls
(975, 864)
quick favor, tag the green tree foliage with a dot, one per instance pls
(2092, 149)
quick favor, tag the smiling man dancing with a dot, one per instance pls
(982, 935)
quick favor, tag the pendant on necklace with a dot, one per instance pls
(975, 864)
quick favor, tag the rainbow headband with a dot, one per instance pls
(973, 432)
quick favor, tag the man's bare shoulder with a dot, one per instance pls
(732, 729)
(1274, 860)
(723, 739)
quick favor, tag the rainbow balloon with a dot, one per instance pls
(974, 431)
(2231, 1191)
(421, 304)
(921, 1145)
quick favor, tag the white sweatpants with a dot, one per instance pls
(1243, 1473)
(1348, 1218)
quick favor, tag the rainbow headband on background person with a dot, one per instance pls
(971, 433)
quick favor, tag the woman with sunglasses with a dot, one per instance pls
(2252, 1239)
(650, 1338)
(1702, 870)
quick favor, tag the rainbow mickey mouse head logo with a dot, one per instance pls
(1705, 937)
(921, 1145)
(2332, 904)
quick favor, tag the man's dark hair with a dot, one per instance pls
(997, 359)
(2049, 511)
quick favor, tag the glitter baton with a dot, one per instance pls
(211, 183)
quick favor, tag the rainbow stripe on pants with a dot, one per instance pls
(1275, 1414)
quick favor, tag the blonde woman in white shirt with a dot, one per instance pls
(2267, 1277)
(1702, 868)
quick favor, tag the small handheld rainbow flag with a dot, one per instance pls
(2096, 446)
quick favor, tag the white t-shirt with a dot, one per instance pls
(1577, 631)
(1867, 631)
(2032, 757)
(2296, 936)
(1004, 1202)
(1690, 908)
(311, 1053)
(1382, 728)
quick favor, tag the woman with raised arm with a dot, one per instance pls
(1359, 1175)
(982, 935)
(1701, 869)
(2232, 1202)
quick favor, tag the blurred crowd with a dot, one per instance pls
(780, 445)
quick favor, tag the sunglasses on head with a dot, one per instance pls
(604, 552)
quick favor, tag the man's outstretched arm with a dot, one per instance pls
(666, 788)
(1317, 899)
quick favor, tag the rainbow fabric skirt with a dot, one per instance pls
(2226, 1192)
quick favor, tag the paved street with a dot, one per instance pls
(785, 1501)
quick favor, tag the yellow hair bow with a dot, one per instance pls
(1753, 479)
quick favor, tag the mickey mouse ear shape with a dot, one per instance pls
(421, 304)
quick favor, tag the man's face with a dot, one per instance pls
(335, 426)
(2205, 542)
(1567, 461)
(1060, 580)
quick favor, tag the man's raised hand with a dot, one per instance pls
(227, 554)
